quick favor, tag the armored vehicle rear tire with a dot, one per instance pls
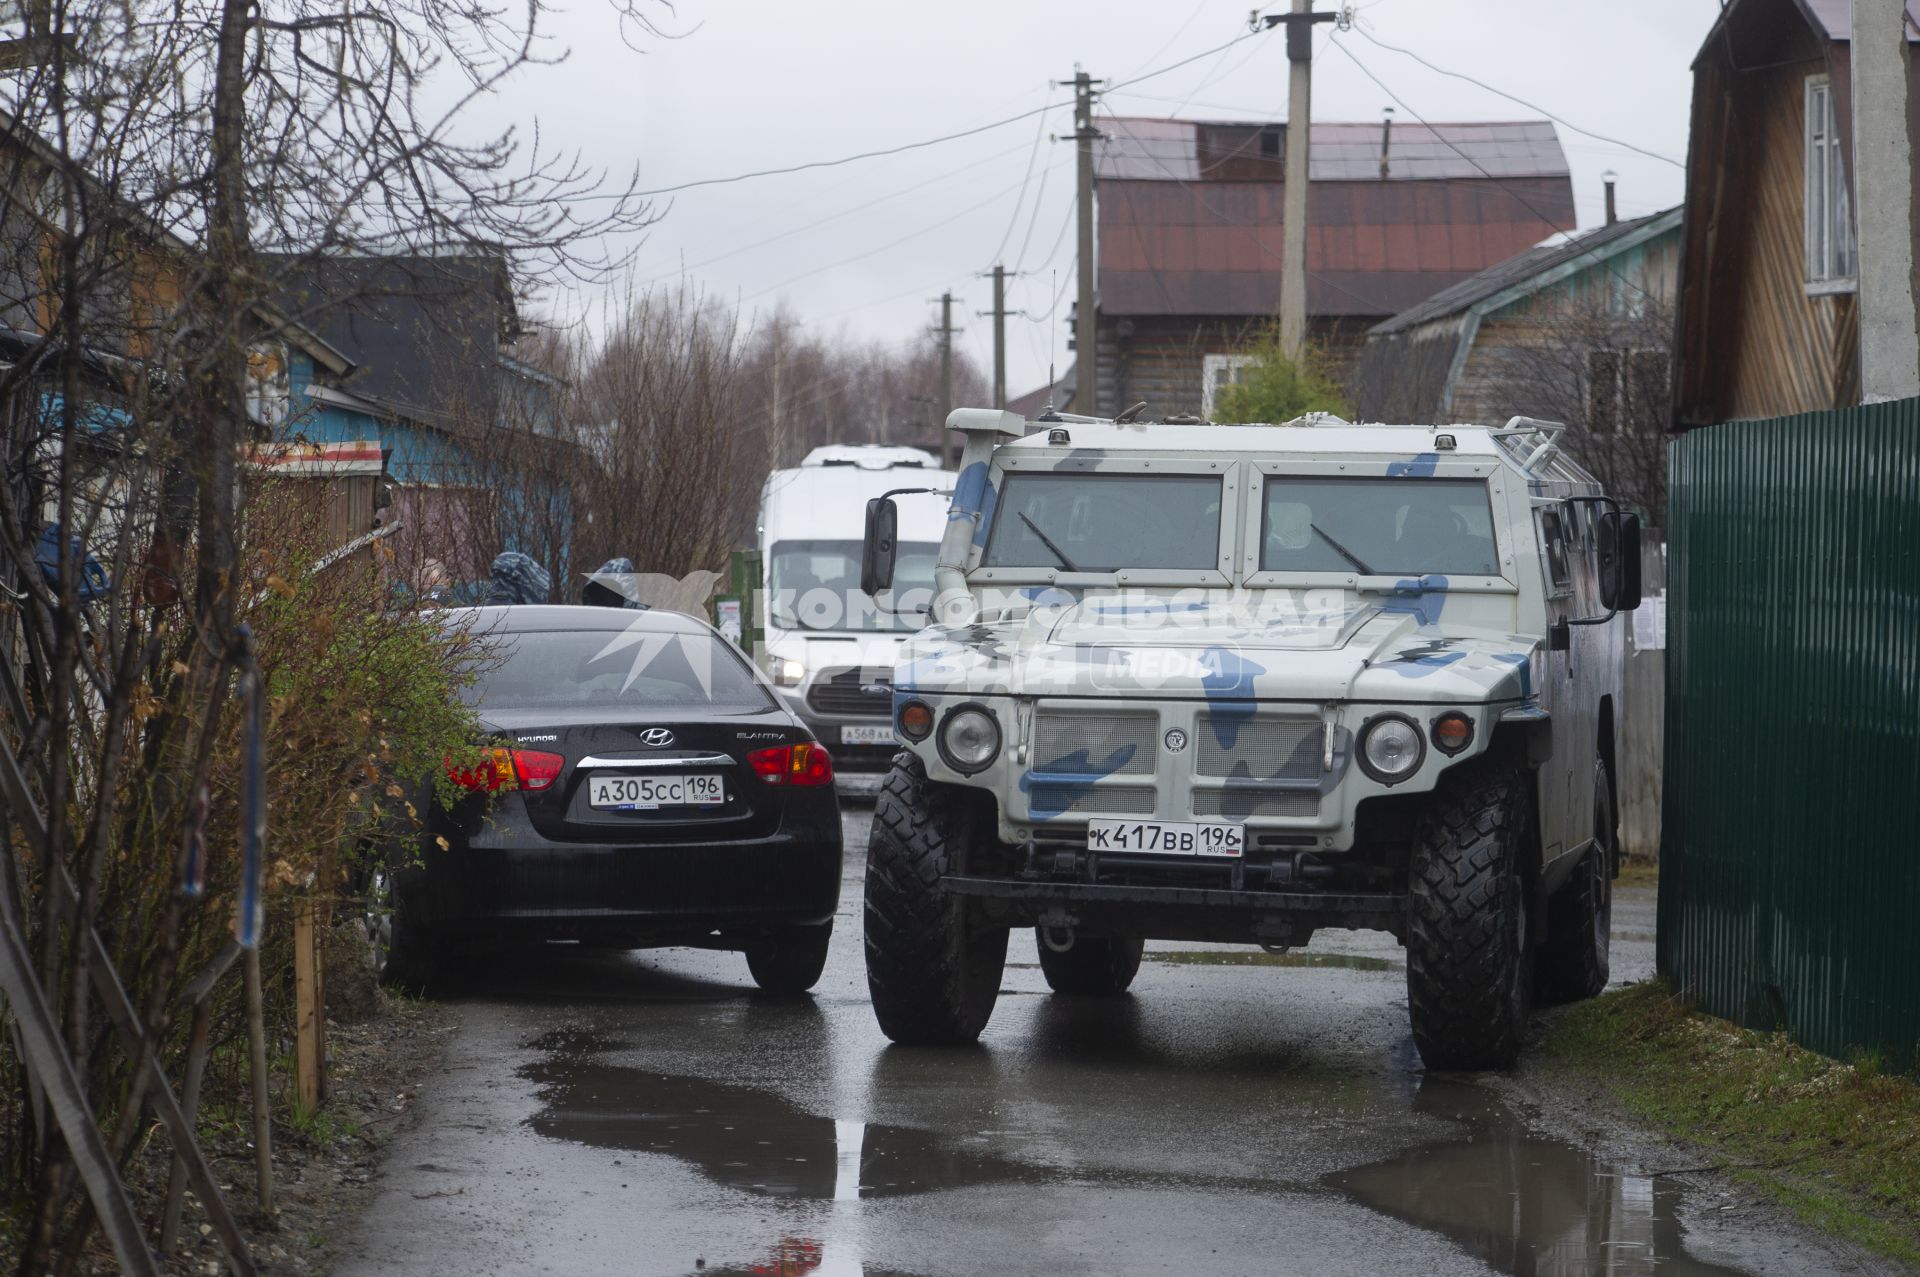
(933, 971)
(1091, 966)
(1469, 977)
(1574, 962)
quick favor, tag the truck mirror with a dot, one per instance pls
(877, 554)
(1618, 540)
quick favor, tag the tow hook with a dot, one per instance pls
(1055, 929)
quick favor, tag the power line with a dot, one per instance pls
(882, 152)
(1032, 155)
(1522, 200)
(1563, 123)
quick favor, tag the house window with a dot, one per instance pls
(1623, 387)
(1217, 372)
(1831, 257)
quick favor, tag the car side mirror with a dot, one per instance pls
(1618, 540)
(877, 554)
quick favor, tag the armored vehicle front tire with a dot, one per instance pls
(1469, 968)
(1090, 966)
(933, 970)
(1574, 962)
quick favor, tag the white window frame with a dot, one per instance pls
(1832, 254)
(1217, 371)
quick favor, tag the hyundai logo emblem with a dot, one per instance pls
(656, 737)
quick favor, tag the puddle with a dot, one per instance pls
(1260, 958)
(750, 1139)
(1524, 1204)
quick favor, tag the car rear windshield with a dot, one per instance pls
(1393, 527)
(648, 670)
(1107, 522)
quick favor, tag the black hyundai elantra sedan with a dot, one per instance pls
(641, 786)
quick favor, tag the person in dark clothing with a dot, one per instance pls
(518, 579)
(605, 587)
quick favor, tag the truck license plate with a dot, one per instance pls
(637, 793)
(880, 735)
(1166, 837)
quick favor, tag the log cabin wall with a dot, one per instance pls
(1160, 358)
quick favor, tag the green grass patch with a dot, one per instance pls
(1838, 1144)
(1261, 958)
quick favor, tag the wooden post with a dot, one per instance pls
(262, 1100)
(309, 1007)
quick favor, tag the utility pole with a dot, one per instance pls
(1086, 395)
(1883, 202)
(946, 332)
(1293, 239)
(999, 313)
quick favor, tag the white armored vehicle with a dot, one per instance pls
(1240, 683)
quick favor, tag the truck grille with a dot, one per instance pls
(1260, 748)
(1089, 742)
(1239, 804)
(839, 693)
(1106, 800)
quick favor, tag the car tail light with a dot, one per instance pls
(802, 764)
(499, 768)
(536, 768)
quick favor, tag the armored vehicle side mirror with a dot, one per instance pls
(877, 554)
(1618, 541)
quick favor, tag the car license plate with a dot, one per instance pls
(1166, 837)
(643, 793)
(867, 736)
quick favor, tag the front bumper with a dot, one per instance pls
(1220, 914)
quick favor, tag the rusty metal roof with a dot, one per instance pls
(1144, 149)
(1190, 213)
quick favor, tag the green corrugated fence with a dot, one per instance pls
(1790, 865)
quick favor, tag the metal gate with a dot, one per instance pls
(1790, 870)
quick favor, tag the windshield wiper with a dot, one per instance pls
(1046, 540)
(1345, 553)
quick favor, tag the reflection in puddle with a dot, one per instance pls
(750, 1139)
(1529, 1206)
(1259, 958)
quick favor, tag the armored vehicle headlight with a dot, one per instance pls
(1391, 749)
(969, 738)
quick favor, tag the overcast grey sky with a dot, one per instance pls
(864, 248)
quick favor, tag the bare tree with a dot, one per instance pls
(1602, 368)
(149, 153)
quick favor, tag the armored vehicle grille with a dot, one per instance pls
(1107, 800)
(842, 693)
(1239, 804)
(1101, 742)
(1260, 748)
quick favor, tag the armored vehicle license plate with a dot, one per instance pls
(629, 793)
(1166, 837)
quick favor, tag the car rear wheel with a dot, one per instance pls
(933, 971)
(790, 964)
(1469, 967)
(1575, 961)
(1090, 966)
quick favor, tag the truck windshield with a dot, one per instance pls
(815, 585)
(1393, 527)
(1106, 522)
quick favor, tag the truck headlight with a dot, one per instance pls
(1391, 749)
(969, 738)
(787, 672)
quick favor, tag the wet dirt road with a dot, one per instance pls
(648, 1113)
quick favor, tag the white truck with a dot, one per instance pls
(1241, 683)
(829, 647)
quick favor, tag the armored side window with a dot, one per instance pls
(1553, 536)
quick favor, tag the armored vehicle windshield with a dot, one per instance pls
(1398, 526)
(1105, 522)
